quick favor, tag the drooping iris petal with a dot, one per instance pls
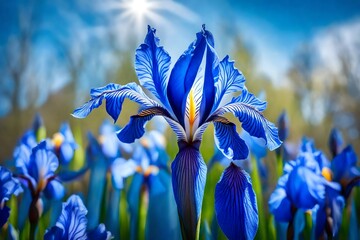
(73, 218)
(8, 185)
(115, 95)
(54, 233)
(152, 66)
(249, 109)
(198, 64)
(230, 80)
(99, 233)
(54, 190)
(344, 166)
(136, 127)
(280, 205)
(228, 140)
(121, 169)
(235, 204)
(4, 215)
(188, 178)
(305, 188)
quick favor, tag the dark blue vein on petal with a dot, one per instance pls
(247, 108)
(230, 80)
(152, 66)
(228, 140)
(136, 126)
(188, 178)
(235, 204)
(115, 96)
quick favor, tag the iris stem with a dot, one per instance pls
(143, 209)
(257, 186)
(33, 217)
(291, 231)
(279, 164)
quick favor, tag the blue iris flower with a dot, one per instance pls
(8, 186)
(190, 97)
(72, 223)
(151, 181)
(104, 154)
(64, 144)
(37, 170)
(307, 185)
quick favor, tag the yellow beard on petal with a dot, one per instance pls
(191, 110)
(57, 140)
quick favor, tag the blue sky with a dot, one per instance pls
(273, 29)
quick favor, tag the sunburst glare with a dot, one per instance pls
(136, 14)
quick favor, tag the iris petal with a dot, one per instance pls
(230, 80)
(136, 127)
(199, 62)
(66, 131)
(248, 109)
(8, 185)
(235, 204)
(43, 162)
(99, 233)
(73, 218)
(152, 64)
(305, 188)
(115, 95)
(344, 165)
(228, 140)
(188, 178)
(121, 169)
(4, 215)
(66, 152)
(280, 205)
(54, 190)
(55, 233)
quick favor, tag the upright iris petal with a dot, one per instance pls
(335, 142)
(152, 64)
(64, 144)
(191, 88)
(72, 223)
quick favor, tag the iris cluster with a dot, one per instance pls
(132, 191)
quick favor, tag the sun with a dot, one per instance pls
(139, 7)
(135, 15)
